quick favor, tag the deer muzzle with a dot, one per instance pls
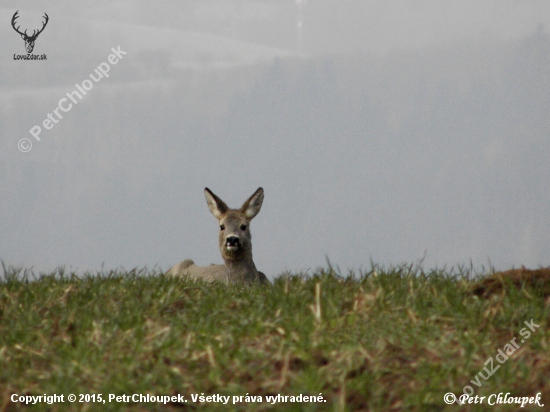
(232, 243)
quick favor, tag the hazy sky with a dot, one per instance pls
(380, 130)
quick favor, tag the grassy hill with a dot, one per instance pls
(388, 339)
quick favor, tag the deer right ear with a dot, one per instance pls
(217, 206)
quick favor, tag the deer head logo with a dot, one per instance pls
(29, 40)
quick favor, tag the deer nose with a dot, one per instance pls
(232, 241)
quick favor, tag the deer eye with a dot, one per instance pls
(243, 227)
(222, 227)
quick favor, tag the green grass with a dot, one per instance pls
(388, 339)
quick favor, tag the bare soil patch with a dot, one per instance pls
(538, 279)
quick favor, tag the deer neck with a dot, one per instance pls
(242, 270)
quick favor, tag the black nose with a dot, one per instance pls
(232, 241)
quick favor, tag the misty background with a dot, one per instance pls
(389, 131)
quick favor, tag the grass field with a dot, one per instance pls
(387, 339)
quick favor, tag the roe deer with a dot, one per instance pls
(235, 244)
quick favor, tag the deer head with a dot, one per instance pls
(29, 40)
(234, 237)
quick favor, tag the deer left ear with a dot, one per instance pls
(252, 206)
(23, 36)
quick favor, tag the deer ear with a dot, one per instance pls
(217, 206)
(23, 36)
(252, 206)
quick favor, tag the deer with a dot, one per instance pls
(235, 243)
(29, 40)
